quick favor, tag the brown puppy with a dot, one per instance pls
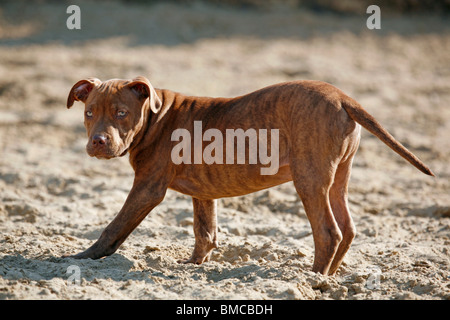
(314, 129)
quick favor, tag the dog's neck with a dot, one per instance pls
(148, 116)
(150, 123)
(171, 103)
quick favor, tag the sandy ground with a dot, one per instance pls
(55, 200)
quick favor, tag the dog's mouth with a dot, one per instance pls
(105, 153)
(103, 156)
(100, 155)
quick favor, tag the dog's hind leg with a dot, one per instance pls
(339, 205)
(313, 182)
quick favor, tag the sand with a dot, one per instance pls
(56, 200)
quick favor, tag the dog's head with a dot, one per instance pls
(114, 112)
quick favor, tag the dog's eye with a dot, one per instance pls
(121, 114)
(89, 114)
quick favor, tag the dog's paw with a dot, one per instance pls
(194, 260)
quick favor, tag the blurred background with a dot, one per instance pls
(55, 199)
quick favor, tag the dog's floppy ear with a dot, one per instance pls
(143, 89)
(80, 90)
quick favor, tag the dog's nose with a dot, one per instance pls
(99, 140)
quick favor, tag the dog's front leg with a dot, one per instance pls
(143, 197)
(205, 230)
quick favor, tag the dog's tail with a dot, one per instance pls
(358, 114)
